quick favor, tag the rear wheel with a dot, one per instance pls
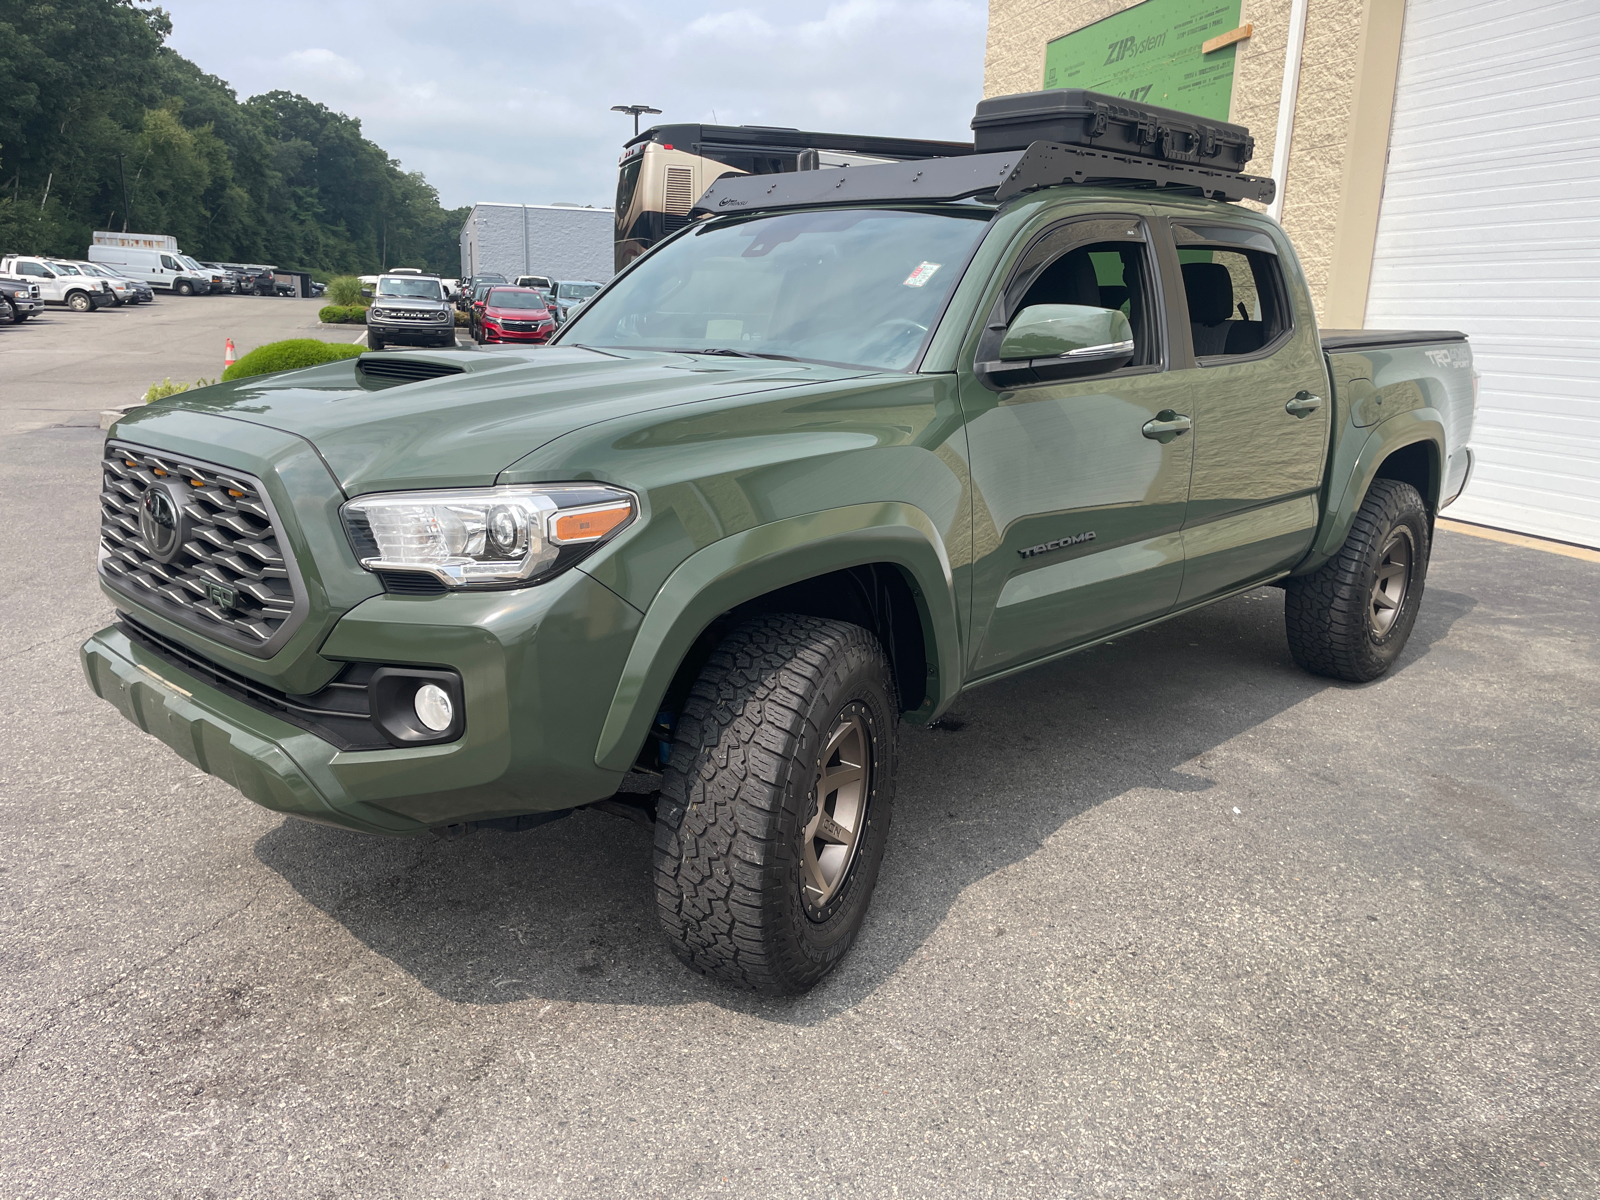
(775, 805)
(1350, 618)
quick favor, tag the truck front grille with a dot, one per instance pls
(198, 544)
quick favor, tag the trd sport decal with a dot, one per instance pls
(1058, 544)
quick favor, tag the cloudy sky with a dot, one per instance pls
(510, 101)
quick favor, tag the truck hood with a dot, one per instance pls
(463, 428)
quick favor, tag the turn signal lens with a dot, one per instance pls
(590, 524)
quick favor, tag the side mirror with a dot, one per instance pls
(1046, 342)
(367, 292)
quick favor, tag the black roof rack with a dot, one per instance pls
(1004, 175)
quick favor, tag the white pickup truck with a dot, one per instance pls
(60, 284)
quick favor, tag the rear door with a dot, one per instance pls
(1077, 505)
(1257, 388)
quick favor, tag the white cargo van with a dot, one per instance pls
(161, 269)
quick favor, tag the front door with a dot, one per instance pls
(1079, 486)
(1258, 393)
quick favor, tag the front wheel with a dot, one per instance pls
(374, 342)
(79, 302)
(775, 804)
(1350, 618)
(184, 289)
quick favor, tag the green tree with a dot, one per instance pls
(95, 97)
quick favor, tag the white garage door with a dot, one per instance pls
(1491, 225)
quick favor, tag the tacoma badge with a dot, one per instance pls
(1058, 544)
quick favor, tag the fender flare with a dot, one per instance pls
(1344, 498)
(746, 565)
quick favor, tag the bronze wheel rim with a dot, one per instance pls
(1393, 581)
(837, 807)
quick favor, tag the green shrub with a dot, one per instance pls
(160, 391)
(345, 290)
(166, 387)
(290, 356)
(461, 318)
(342, 314)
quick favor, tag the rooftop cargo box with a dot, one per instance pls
(1074, 117)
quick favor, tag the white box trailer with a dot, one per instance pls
(556, 240)
(139, 241)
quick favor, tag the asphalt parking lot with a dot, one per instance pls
(1168, 918)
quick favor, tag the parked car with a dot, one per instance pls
(20, 299)
(216, 277)
(161, 269)
(232, 278)
(512, 314)
(411, 310)
(60, 285)
(570, 293)
(123, 289)
(543, 282)
(809, 468)
(471, 287)
(142, 292)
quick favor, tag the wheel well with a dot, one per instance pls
(877, 596)
(1414, 464)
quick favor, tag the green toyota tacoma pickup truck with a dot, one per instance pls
(846, 445)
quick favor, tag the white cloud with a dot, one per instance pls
(516, 106)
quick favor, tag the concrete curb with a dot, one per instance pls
(110, 416)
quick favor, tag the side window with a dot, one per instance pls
(169, 262)
(1233, 286)
(1095, 263)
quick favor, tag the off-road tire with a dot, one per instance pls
(736, 801)
(1329, 614)
(374, 342)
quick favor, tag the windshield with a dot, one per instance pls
(576, 291)
(190, 263)
(858, 287)
(422, 289)
(66, 268)
(504, 298)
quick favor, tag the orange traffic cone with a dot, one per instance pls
(229, 356)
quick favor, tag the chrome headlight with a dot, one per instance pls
(486, 537)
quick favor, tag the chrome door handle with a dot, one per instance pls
(1166, 426)
(1303, 405)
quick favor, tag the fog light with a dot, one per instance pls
(433, 707)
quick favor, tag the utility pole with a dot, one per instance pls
(123, 171)
(634, 110)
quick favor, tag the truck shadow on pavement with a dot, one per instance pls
(566, 912)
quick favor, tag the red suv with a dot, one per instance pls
(512, 314)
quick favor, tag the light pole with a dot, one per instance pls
(123, 171)
(634, 110)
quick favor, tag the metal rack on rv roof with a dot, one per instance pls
(1000, 176)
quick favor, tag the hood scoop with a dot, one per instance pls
(403, 369)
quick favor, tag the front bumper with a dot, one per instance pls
(529, 337)
(538, 669)
(416, 333)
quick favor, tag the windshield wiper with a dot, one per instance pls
(724, 350)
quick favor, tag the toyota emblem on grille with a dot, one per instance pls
(158, 522)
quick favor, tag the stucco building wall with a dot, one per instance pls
(1320, 167)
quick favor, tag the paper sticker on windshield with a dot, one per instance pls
(724, 331)
(922, 274)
